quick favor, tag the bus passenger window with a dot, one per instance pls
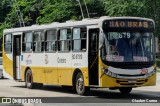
(38, 41)
(50, 44)
(27, 42)
(64, 40)
(79, 39)
(8, 43)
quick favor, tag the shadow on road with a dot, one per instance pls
(117, 95)
(102, 93)
(58, 89)
(3, 78)
(52, 88)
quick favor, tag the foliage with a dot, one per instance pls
(47, 11)
(137, 8)
(124, 8)
(152, 8)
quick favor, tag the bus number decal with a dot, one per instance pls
(76, 56)
(124, 35)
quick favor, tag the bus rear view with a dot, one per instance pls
(127, 54)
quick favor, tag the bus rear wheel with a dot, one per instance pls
(125, 90)
(29, 81)
(79, 85)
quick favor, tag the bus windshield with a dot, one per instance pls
(128, 47)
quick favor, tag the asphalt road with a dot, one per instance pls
(10, 88)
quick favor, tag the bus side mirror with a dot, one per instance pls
(157, 53)
(156, 45)
(101, 38)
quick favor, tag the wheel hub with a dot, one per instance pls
(80, 84)
(28, 79)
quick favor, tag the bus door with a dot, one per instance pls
(93, 56)
(16, 56)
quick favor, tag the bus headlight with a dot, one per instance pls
(148, 75)
(109, 73)
(151, 73)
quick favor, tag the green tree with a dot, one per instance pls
(30, 10)
(55, 10)
(152, 10)
(137, 8)
(47, 11)
(124, 7)
(62, 10)
(4, 10)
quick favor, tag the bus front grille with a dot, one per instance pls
(131, 82)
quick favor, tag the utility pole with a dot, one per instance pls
(86, 8)
(80, 8)
(19, 14)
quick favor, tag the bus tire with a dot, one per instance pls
(79, 85)
(125, 90)
(29, 80)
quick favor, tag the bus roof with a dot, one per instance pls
(70, 23)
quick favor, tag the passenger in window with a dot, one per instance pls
(113, 47)
(124, 49)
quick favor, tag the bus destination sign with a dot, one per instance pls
(128, 24)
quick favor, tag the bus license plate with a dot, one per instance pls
(132, 81)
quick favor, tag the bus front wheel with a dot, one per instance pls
(79, 85)
(29, 81)
(125, 90)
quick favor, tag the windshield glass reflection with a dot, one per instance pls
(128, 47)
(0, 61)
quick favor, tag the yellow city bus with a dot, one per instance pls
(107, 52)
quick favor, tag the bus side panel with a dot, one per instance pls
(64, 68)
(65, 76)
(51, 73)
(34, 61)
(38, 74)
(65, 71)
(23, 68)
(105, 81)
(7, 65)
(80, 61)
(24, 64)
